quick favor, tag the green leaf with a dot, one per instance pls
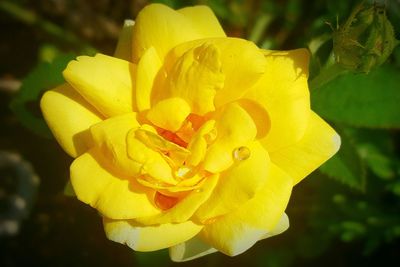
(360, 100)
(346, 166)
(42, 78)
(376, 148)
(379, 163)
(260, 27)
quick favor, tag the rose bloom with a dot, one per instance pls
(187, 139)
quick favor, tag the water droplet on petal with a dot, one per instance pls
(181, 172)
(241, 153)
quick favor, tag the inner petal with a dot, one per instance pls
(175, 152)
(195, 77)
(184, 186)
(152, 162)
(169, 114)
(235, 128)
(200, 141)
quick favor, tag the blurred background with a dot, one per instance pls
(347, 213)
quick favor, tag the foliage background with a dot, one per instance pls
(345, 214)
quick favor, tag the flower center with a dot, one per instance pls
(241, 153)
(165, 202)
(182, 172)
(172, 137)
(183, 136)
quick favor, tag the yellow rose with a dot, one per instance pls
(190, 140)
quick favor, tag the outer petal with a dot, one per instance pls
(281, 227)
(319, 143)
(149, 238)
(203, 20)
(124, 46)
(283, 91)
(235, 128)
(196, 247)
(161, 27)
(235, 232)
(186, 207)
(147, 70)
(112, 196)
(69, 116)
(189, 250)
(242, 63)
(237, 185)
(105, 82)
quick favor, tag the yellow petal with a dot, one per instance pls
(195, 77)
(110, 137)
(283, 91)
(149, 238)
(198, 150)
(69, 117)
(183, 186)
(281, 227)
(237, 231)
(186, 207)
(242, 63)
(235, 128)
(152, 162)
(128, 155)
(176, 153)
(203, 20)
(190, 250)
(161, 27)
(237, 185)
(113, 196)
(147, 69)
(169, 114)
(105, 82)
(199, 142)
(319, 143)
(259, 114)
(124, 46)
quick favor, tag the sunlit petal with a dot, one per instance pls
(149, 238)
(105, 82)
(319, 143)
(69, 117)
(237, 231)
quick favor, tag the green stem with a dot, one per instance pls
(31, 18)
(260, 27)
(326, 75)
